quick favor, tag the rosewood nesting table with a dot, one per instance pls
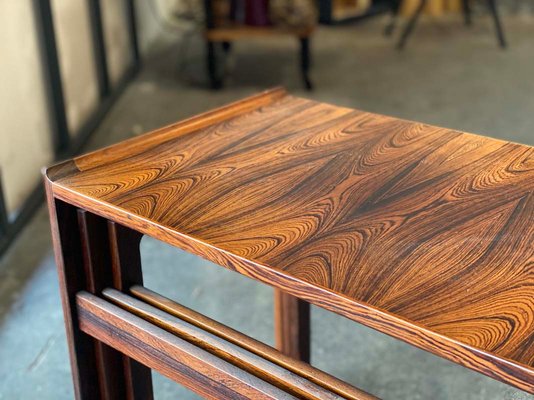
(420, 232)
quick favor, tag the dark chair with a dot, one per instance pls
(395, 6)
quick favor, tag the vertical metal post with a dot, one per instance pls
(4, 222)
(99, 47)
(49, 54)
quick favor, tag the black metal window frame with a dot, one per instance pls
(65, 144)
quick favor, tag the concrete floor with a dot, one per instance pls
(448, 75)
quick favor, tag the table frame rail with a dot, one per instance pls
(196, 358)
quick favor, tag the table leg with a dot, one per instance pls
(292, 325)
(126, 271)
(467, 12)
(83, 261)
(214, 79)
(305, 62)
(394, 9)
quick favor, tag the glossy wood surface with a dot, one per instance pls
(292, 325)
(421, 232)
(246, 342)
(177, 359)
(250, 360)
(81, 246)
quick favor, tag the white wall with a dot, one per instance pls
(117, 39)
(155, 21)
(25, 133)
(25, 144)
(147, 24)
(75, 50)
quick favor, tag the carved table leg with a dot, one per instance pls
(292, 326)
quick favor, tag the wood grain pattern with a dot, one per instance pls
(421, 232)
(95, 250)
(292, 326)
(246, 342)
(70, 268)
(247, 359)
(177, 359)
(84, 263)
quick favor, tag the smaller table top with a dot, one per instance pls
(421, 232)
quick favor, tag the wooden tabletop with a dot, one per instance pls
(424, 233)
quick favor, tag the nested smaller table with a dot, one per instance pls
(420, 232)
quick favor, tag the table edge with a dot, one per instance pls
(505, 370)
(153, 138)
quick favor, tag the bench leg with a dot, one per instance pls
(83, 258)
(292, 326)
(126, 272)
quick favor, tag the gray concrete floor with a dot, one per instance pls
(448, 75)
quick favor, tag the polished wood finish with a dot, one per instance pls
(289, 379)
(69, 262)
(420, 232)
(179, 360)
(246, 342)
(292, 326)
(125, 260)
(95, 251)
(83, 261)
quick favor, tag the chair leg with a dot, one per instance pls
(411, 24)
(292, 326)
(227, 47)
(467, 12)
(394, 7)
(305, 61)
(498, 27)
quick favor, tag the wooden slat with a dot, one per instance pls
(267, 352)
(179, 360)
(244, 359)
